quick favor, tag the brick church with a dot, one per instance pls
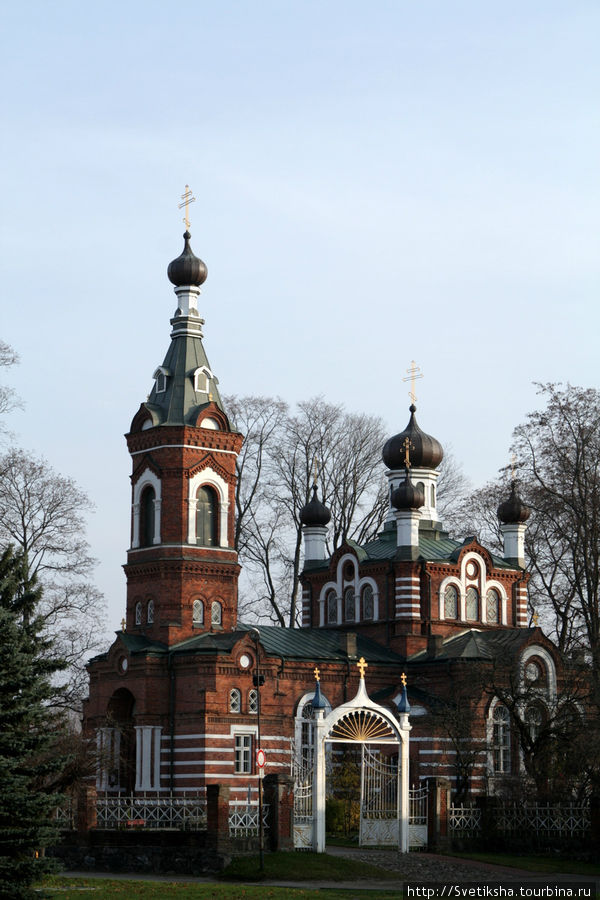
(173, 702)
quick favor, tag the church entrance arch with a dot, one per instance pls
(384, 740)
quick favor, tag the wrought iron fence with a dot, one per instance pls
(465, 821)
(243, 818)
(184, 812)
(544, 820)
(64, 815)
(513, 817)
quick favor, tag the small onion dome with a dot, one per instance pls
(425, 451)
(314, 513)
(407, 495)
(318, 701)
(403, 704)
(187, 268)
(513, 510)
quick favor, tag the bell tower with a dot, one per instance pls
(182, 569)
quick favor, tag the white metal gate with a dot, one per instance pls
(379, 799)
(417, 818)
(303, 809)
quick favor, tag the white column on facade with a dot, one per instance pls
(138, 757)
(156, 536)
(135, 539)
(224, 516)
(192, 520)
(157, 736)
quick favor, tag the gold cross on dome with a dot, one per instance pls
(361, 665)
(536, 618)
(403, 679)
(123, 624)
(414, 372)
(315, 468)
(317, 673)
(513, 467)
(186, 198)
(407, 448)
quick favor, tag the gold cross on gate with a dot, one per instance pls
(407, 448)
(317, 673)
(403, 679)
(412, 376)
(186, 198)
(361, 665)
(123, 624)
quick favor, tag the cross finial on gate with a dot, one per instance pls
(361, 666)
(403, 679)
(317, 673)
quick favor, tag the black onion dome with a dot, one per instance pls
(425, 451)
(408, 496)
(314, 513)
(187, 268)
(513, 510)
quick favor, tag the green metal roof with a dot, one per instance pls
(178, 404)
(313, 644)
(473, 644)
(434, 546)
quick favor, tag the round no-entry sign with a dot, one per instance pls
(260, 759)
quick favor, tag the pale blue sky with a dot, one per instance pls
(375, 183)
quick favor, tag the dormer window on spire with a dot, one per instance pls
(160, 377)
(202, 378)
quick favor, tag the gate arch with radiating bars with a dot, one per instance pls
(384, 803)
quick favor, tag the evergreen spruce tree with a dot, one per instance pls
(28, 731)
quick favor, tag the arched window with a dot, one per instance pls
(433, 495)
(450, 602)
(253, 701)
(349, 611)
(331, 607)
(235, 701)
(147, 517)
(492, 600)
(198, 613)
(472, 604)
(368, 605)
(533, 722)
(150, 612)
(138, 613)
(421, 487)
(207, 513)
(500, 740)
(216, 613)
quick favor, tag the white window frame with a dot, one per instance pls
(147, 479)
(209, 478)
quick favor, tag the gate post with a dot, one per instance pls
(438, 814)
(279, 795)
(217, 816)
(319, 784)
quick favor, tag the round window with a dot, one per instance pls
(245, 661)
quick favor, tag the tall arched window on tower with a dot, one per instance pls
(492, 600)
(147, 517)
(198, 613)
(207, 508)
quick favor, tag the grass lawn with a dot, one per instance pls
(103, 888)
(548, 864)
(303, 866)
